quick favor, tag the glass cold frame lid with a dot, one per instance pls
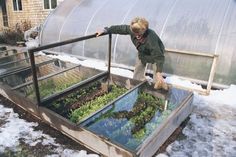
(131, 119)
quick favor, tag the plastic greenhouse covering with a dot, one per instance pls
(206, 26)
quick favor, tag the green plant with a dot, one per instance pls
(96, 104)
(14, 34)
(142, 112)
(130, 126)
(63, 105)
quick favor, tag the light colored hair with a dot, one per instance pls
(139, 25)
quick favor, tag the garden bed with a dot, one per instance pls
(109, 114)
(133, 121)
(83, 102)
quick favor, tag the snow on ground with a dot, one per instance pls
(210, 132)
(14, 130)
(94, 64)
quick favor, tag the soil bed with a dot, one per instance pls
(83, 102)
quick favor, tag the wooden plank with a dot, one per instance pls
(211, 55)
(212, 74)
(19, 100)
(200, 91)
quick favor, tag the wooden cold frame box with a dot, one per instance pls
(84, 132)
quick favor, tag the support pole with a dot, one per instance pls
(109, 62)
(212, 74)
(34, 73)
(109, 54)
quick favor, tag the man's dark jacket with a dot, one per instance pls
(150, 48)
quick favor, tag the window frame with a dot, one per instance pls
(17, 6)
(50, 5)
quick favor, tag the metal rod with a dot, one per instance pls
(74, 87)
(64, 42)
(109, 53)
(44, 77)
(34, 74)
(109, 61)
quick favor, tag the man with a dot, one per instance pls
(149, 45)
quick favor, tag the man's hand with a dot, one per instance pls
(160, 83)
(99, 33)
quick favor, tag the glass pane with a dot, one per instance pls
(53, 4)
(134, 117)
(23, 75)
(13, 57)
(46, 4)
(14, 5)
(14, 65)
(19, 5)
(59, 82)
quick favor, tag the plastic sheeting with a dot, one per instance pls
(207, 26)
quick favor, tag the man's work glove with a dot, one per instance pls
(160, 83)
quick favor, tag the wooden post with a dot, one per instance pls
(212, 74)
(212, 71)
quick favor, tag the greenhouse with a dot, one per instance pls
(204, 26)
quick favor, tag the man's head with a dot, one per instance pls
(139, 26)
